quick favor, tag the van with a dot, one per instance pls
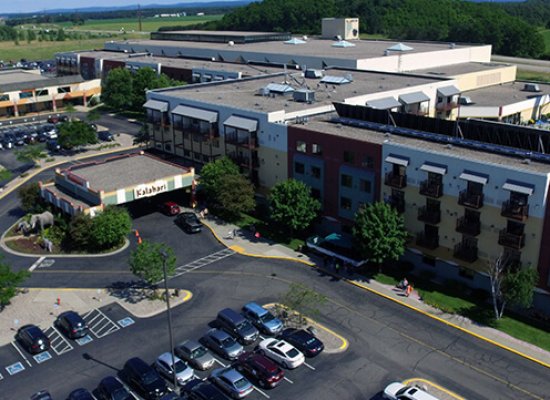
(237, 325)
(262, 319)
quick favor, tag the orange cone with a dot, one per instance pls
(139, 240)
(137, 233)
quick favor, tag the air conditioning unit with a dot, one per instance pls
(304, 96)
(531, 87)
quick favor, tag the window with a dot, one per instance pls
(348, 157)
(316, 194)
(316, 172)
(301, 146)
(197, 156)
(4, 97)
(439, 99)
(64, 89)
(345, 203)
(299, 168)
(42, 92)
(25, 95)
(368, 162)
(316, 149)
(346, 180)
(365, 186)
(187, 153)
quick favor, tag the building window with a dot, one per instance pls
(348, 157)
(205, 158)
(345, 203)
(346, 180)
(4, 97)
(439, 99)
(25, 95)
(216, 143)
(197, 156)
(187, 153)
(301, 146)
(42, 92)
(316, 172)
(316, 149)
(299, 168)
(368, 162)
(365, 186)
(64, 89)
(316, 194)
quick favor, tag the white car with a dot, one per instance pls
(164, 365)
(398, 391)
(282, 352)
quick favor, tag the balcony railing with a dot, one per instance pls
(514, 210)
(429, 215)
(428, 241)
(465, 251)
(241, 141)
(511, 239)
(468, 226)
(446, 106)
(244, 161)
(397, 203)
(431, 189)
(208, 134)
(395, 180)
(473, 200)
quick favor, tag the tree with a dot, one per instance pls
(292, 206)
(117, 89)
(93, 115)
(302, 299)
(146, 261)
(60, 35)
(379, 232)
(29, 197)
(79, 235)
(76, 133)
(142, 80)
(110, 227)
(30, 153)
(235, 196)
(143, 136)
(9, 281)
(213, 174)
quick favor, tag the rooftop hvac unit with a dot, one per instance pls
(465, 100)
(313, 73)
(304, 96)
(531, 87)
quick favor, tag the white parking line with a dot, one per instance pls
(288, 380)
(135, 396)
(22, 355)
(56, 339)
(219, 362)
(36, 263)
(99, 324)
(261, 392)
(309, 366)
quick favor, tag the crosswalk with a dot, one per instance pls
(201, 262)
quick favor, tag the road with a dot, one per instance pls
(524, 64)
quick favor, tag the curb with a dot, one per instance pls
(435, 385)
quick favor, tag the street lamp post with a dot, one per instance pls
(167, 295)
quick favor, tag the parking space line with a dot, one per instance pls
(201, 262)
(135, 396)
(1, 377)
(21, 353)
(309, 366)
(288, 380)
(56, 339)
(219, 362)
(36, 263)
(261, 392)
(100, 324)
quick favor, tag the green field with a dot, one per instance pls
(546, 35)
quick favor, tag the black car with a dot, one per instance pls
(144, 379)
(111, 389)
(53, 146)
(21, 138)
(303, 341)
(9, 140)
(105, 136)
(189, 222)
(80, 394)
(72, 325)
(197, 389)
(33, 339)
(42, 395)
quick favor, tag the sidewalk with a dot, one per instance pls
(245, 243)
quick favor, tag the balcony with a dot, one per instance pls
(395, 180)
(397, 203)
(515, 210)
(427, 241)
(244, 161)
(431, 189)
(429, 215)
(511, 239)
(241, 141)
(465, 251)
(446, 106)
(468, 226)
(473, 200)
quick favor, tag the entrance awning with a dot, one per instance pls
(435, 168)
(196, 113)
(245, 124)
(518, 187)
(414, 98)
(386, 103)
(448, 91)
(473, 177)
(397, 160)
(156, 105)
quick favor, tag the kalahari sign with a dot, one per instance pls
(150, 189)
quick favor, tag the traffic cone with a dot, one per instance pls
(137, 233)
(58, 301)
(139, 240)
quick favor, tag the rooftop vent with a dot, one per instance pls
(295, 41)
(313, 73)
(531, 87)
(335, 80)
(304, 96)
(465, 100)
(452, 45)
(400, 47)
(343, 44)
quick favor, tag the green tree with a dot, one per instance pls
(379, 232)
(292, 206)
(117, 89)
(9, 281)
(142, 80)
(29, 197)
(30, 153)
(143, 136)
(146, 261)
(60, 37)
(76, 133)
(79, 235)
(302, 299)
(93, 115)
(213, 174)
(31, 35)
(235, 196)
(110, 227)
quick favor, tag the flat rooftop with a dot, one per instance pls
(451, 71)
(126, 171)
(504, 94)
(244, 93)
(14, 80)
(61, 193)
(371, 136)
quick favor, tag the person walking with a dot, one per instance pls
(408, 290)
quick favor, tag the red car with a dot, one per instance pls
(170, 208)
(260, 368)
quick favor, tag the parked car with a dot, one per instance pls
(42, 395)
(20, 138)
(169, 208)
(189, 222)
(282, 352)
(53, 146)
(260, 368)
(80, 394)
(8, 140)
(237, 325)
(303, 341)
(72, 325)
(32, 339)
(262, 319)
(144, 379)
(111, 389)
(223, 344)
(399, 391)
(105, 136)
(195, 354)
(232, 382)
(164, 365)
(202, 390)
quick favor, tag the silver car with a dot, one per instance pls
(195, 354)
(223, 344)
(232, 382)
(164, 365)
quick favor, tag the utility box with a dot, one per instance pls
(340, 28)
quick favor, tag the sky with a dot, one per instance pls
(24, 6)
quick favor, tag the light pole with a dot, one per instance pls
(167, 295)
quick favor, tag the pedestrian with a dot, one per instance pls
(408, 290)
(403, 284)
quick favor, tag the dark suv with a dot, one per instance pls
(144, 379)
(260, 368)
(235, 324)
(72, 325)
(33, 339)
(202, 390)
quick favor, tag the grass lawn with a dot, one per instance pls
(533, 76)
(267, 231)
(525, 332)
(546, 35)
